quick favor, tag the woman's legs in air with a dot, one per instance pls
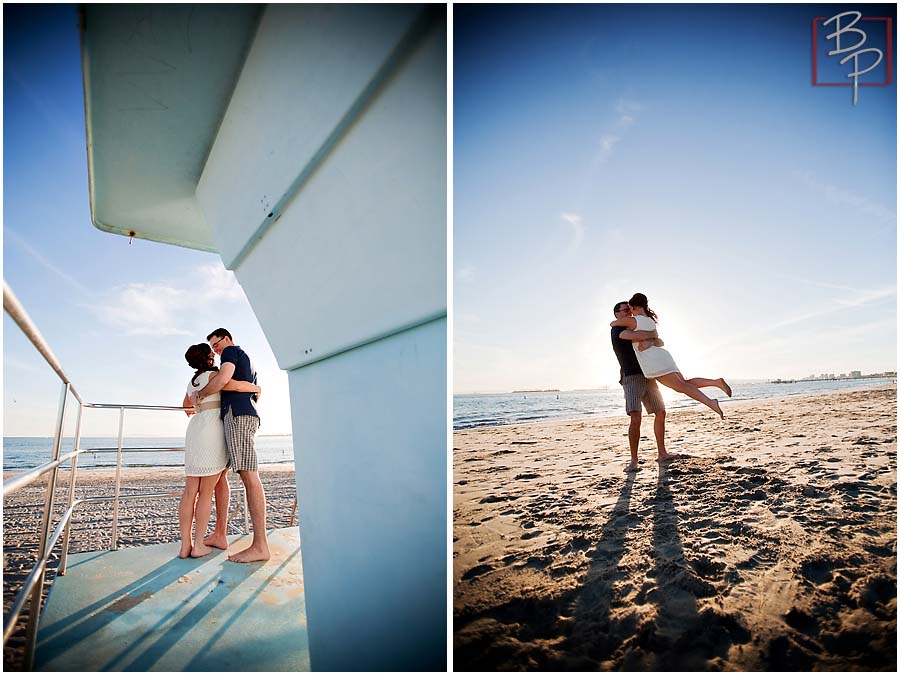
(677, 382)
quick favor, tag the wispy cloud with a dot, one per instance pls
(607, 143)
(10, 362)
(577, 224)
(219, 284)
(849, 305)
(161, 308)
(39, 258)
(859, 299)
(48, 109)
(145, 309)
(881, 214)
(627, 111)
(465, 273)
(626, 115)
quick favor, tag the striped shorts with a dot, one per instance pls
(638, 389)
(240, 437)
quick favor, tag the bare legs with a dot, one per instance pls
(196, 503)
(634, 435)
(659, 430)
(677, 382)
(186, 514)
(706, 382)
(256, 500)
(201, 515)
(219, 536)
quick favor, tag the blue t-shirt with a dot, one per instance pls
(241, 403)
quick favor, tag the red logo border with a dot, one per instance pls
(889, 57)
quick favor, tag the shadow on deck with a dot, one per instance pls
(144, 609)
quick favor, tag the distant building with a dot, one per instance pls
(855, 373)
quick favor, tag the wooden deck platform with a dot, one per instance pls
(144, 609)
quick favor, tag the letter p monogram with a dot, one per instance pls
(836, 36)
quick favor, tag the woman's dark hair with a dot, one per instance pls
(199, 357)
(640, 300)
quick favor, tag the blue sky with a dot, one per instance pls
(119, 316)
(677, 151)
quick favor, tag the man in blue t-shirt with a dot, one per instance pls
(637, 388)
(241, 423)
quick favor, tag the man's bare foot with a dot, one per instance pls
(185, 551)
(200, 550)
(631, 468)
(668, 457)
(250, 555)
(725, 387)
(718, 408)
(216, 541)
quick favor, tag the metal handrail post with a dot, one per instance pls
(37, 593)
(246, 513)
(63, 558)
(115, 527)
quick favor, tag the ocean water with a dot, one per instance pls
(476, 410)
(28, 452)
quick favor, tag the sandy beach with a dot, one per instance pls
(141, 522)
(772, 546)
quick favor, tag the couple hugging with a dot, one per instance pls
(222, 405)
(643, 362)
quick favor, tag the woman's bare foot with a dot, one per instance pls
(632, 467)
(668, 457)
(200, 550)
(724, 386)
(185, 551)
(216, 541)
(715, 406)
(250, 555)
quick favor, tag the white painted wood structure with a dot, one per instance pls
(306, 144)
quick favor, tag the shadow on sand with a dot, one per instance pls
(639, 613)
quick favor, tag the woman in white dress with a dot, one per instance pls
(657, 363)
(205, 453)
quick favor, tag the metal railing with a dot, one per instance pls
(34, 583)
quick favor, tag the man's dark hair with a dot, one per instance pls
(615, 307)
(219, 333)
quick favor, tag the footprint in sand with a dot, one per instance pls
(708, 568)
(818, 570)
(580, 544)
(490, 499)
(799, 620)
(477, 571)
(536, 562)
(875, 593)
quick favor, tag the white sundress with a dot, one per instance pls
(205, 452)
(654, 361)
